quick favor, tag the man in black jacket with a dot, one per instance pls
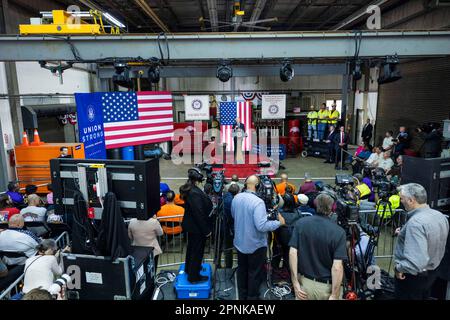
(329, 139)
(236, 126)
(196, 222)
(341, 141)
(367, 130)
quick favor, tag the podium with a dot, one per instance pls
(238, 135)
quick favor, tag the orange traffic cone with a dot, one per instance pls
(25, 141)
(36, 141)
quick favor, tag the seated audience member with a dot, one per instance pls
(396, 170)
(364, 191)
(3, 269)
(316, 262)
(387, 141)
(163, 187)
(284, 183)
(145, 233)
(6, 207)
(358, 160)
(14, 194)
(234, 180)
(290, 190)
(304, 207)
(308, 187)
(50, 195)
(178, 201)
(228, 224)
(386, 162)
(367, 179)
(30, 189)
(401, 142)
(171, 226)
(18, 240)
(38, 294)
(33, 212)
(376, 155)
(41, 270)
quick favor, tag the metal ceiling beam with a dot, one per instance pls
(298, 13)
(213, 16)
(164, 5)
(240, 46)
(358, 14)
(270, 6)
(257, 10)
(149, 11)
(238, 71)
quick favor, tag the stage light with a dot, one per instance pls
(357, 74)
(388, 71)
(121, 76)
(224, 71)
(154, 74)
(287, 72)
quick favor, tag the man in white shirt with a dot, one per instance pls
(374, 157)
(386, 162)
(387, 141)
(33, 212)
(17, 240)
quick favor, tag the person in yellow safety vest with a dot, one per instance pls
(362, 189)
(395, 204)
(333, 115)
(312, 123)
(322, 116)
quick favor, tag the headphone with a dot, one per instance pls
(196, 174)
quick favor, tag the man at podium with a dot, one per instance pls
(238, 135)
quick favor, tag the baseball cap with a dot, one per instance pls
(303, 199)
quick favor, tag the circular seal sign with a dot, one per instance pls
(196, 104)
(91, 113)
(273, 109)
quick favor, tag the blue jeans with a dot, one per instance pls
(312, 131)
(321, 127)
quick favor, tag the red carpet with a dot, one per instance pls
(243, 170)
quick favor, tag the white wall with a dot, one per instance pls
(5, 119)
(324, 82)
(34, 79)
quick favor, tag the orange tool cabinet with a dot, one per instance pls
(33, 162)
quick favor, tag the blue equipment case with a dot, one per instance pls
(187, 290)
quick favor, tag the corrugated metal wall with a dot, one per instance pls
(422, 95)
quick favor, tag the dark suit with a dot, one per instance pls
(337, 140)
(331, 146)
(235, 126)
(197, 224)
(366, 134)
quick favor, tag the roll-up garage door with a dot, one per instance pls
(422, 95)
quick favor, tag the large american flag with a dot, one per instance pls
(131, 118)
(229, 111)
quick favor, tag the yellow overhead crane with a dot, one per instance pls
(66, 23)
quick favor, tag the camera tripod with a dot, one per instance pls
(356, 286)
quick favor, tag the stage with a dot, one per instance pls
(251, 164)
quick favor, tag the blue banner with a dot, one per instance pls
(90, 124)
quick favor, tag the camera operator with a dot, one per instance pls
(318, 248)
(228, 226)
(250, 238)
(432, 146)
(196, 222)
(41, 269)
(420, 246)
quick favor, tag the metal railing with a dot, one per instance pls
(62, 241)
(173, 246)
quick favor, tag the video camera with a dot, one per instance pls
(384, 187)
(215, 178)
(428, 127)
(266, 191)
